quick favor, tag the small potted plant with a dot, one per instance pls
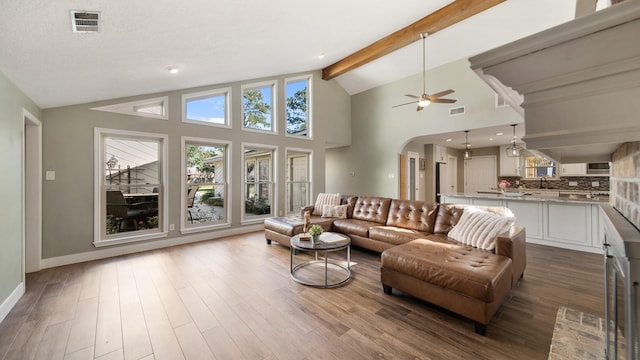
(315, 232)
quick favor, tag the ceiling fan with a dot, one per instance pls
(425, 99)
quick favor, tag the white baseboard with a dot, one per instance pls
(589, 249)
(104, 253)
(11, 301)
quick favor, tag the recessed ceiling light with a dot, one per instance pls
(172, 70)
(448, 140)
(499, 134)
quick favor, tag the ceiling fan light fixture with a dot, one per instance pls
(467, 154)
(425, 99)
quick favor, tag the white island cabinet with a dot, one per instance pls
(553, 221)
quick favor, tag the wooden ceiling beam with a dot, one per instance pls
(434, 22)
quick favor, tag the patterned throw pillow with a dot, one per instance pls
(479, 228)
(325, 199)
(334, 211)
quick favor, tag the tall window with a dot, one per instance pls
(208, 107)
(298, 106)
(258, 106)
(206, 190)
(130, 181)
(258, 182)
(298, 180)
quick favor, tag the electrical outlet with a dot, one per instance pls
(573, 183)
(595, 183)
(280, 213)
(50, 175)
(172, 227)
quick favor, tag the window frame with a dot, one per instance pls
(100, 238)
(204, 95)
(309, 155)
(254, 219)
(184, 227)
(309, 79)
(274, 105)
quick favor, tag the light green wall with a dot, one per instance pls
(68, 149)
(12, 103)
(380, 132)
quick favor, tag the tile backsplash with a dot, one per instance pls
(583, 183)
(625, 181)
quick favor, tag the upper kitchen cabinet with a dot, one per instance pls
(440, 154)
(509, 166)
(576, 169)
(577, 84)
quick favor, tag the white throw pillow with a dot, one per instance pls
(480, 228)
(331, 211)
(325, 199)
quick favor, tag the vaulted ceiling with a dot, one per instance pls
(214, 42)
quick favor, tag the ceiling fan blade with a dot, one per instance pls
(413, 102)
(443, 101)
(413, 96)
(442, 93)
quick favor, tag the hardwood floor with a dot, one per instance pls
(232, 298)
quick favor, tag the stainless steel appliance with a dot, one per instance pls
(622, 278)
(598, 168)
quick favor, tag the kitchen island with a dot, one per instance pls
(568, 220)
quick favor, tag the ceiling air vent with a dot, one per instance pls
(457, 110)
(85, 21)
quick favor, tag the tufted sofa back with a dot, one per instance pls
(369, 208)
(414, 215)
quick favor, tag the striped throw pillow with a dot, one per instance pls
(325, 199)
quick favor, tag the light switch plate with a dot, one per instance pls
(573, 183)
(595, 183)
(50, 175)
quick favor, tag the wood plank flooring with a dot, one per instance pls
(232, 298)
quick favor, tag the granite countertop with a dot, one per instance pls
(537, 195)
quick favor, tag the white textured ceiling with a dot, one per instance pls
(214, 41)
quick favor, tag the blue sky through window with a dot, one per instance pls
(267, 98)
(295, 86)
(210, 109)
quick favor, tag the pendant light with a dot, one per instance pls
(466, 154)
(514, 150)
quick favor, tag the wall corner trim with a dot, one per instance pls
(11, 301)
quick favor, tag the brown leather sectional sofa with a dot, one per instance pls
(417, 256)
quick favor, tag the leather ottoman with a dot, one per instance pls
(281, 229)
(463, 279)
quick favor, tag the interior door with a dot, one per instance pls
(413, 190)
(480, 173)
(449, 176)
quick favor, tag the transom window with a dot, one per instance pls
(298, 180)
(258, 106)
(298, 106)
(208, 107)
(130, 182)
(206, 188)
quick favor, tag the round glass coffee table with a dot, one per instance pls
(321, 272)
